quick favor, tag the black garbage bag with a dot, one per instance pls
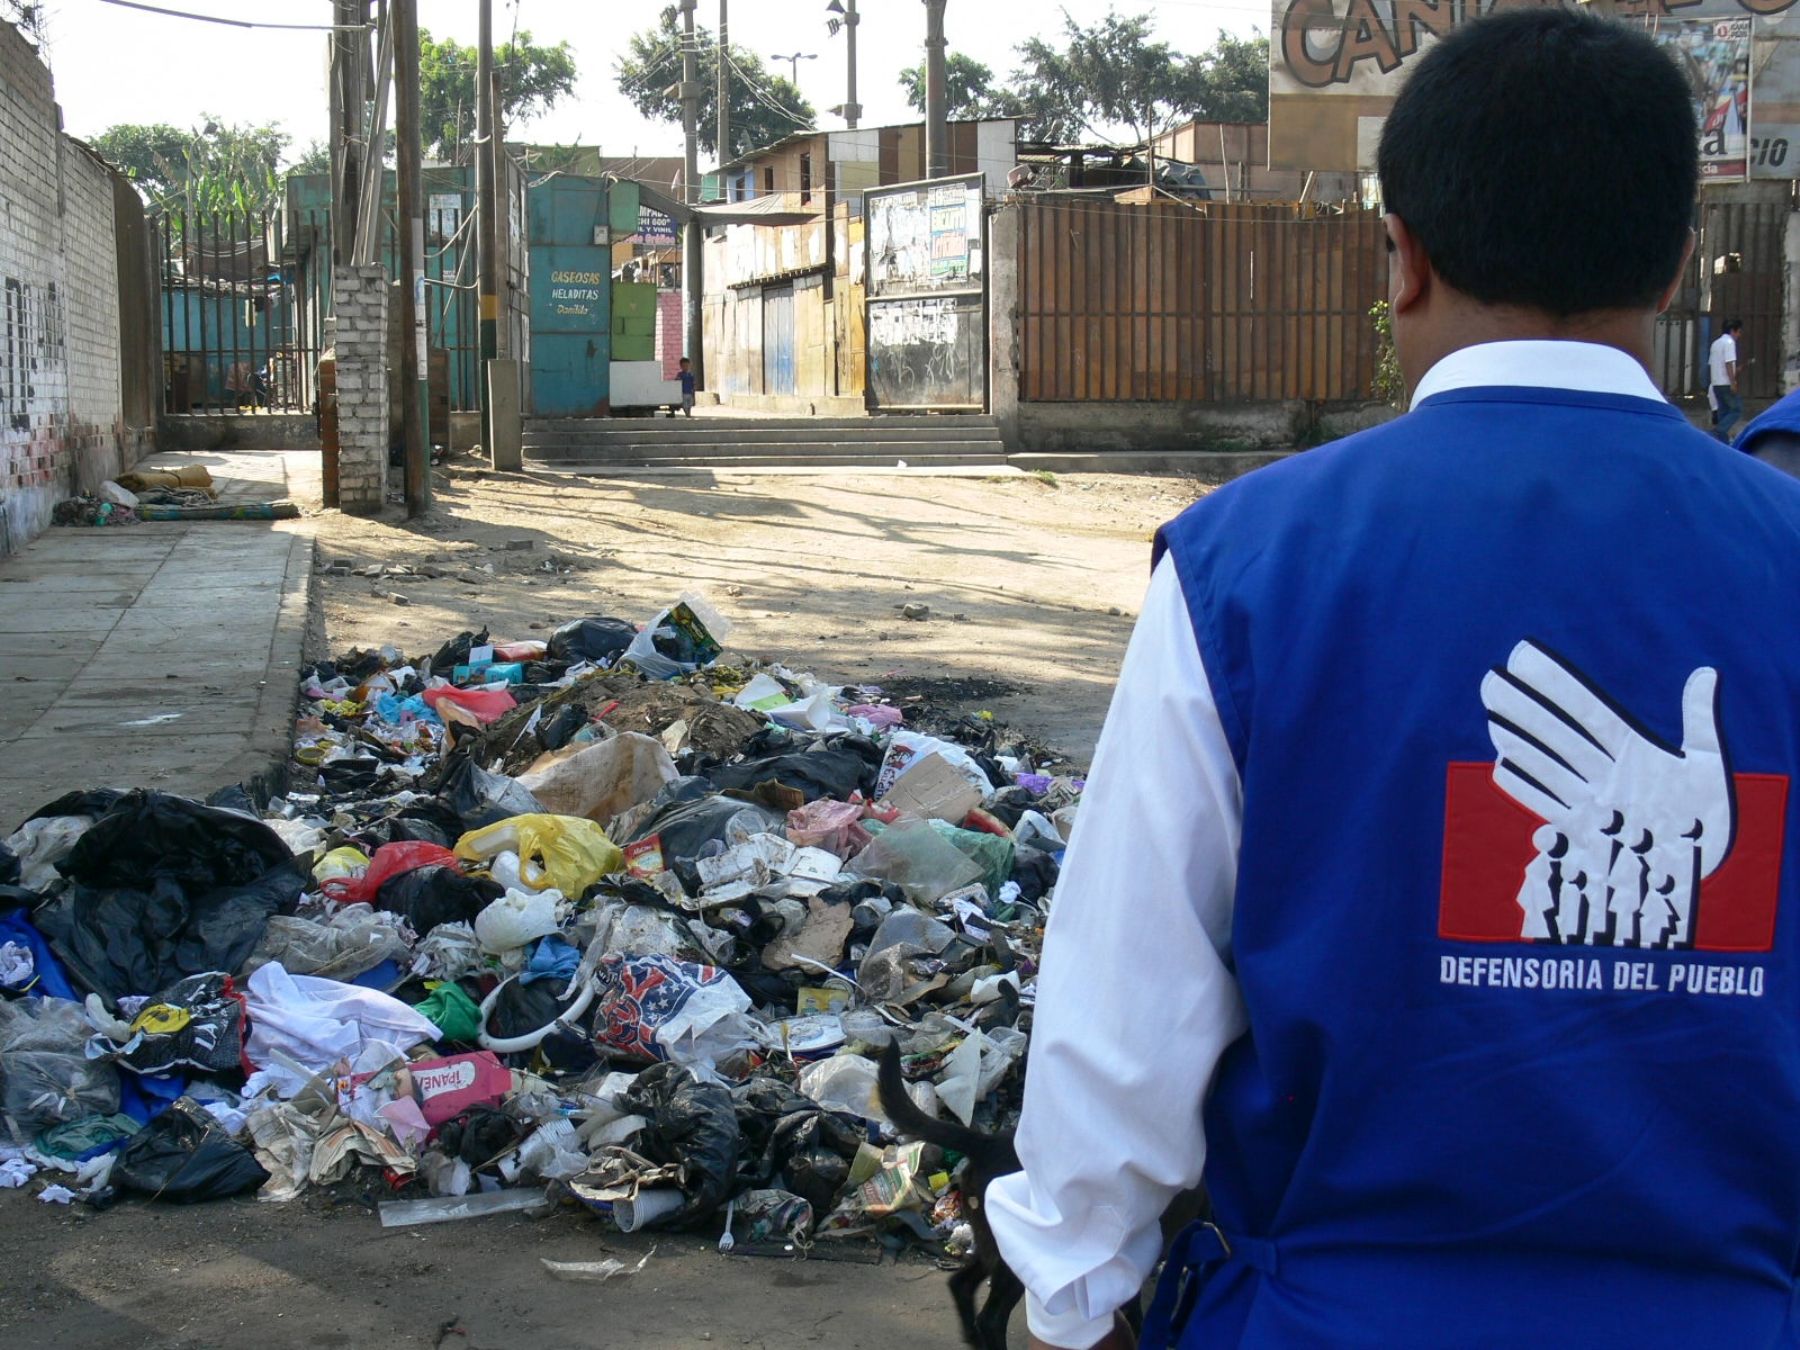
(520, 1008)
(480, 1135)
(596, 639)
(118, 941)
(455, 652)
(185, 1157)
(691, 1125)
(560, 727)
(428, 896)
(357, 773)
(813, 1151)
(790, 1139)
(93, 802)
(813, 773)
(234, 798)
(155, 835)
(197, 1024)
(1035, 871)
(9, 867)
(687, 827)
(480, 798)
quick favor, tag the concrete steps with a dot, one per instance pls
(763, 442)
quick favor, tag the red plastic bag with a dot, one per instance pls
(484, 705)
(390, 860)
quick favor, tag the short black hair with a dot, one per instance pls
(1546, 158)
(1733, 325)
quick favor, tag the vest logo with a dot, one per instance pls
(1588, 829)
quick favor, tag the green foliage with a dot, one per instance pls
(1388, 384)
(764, 107)
(969, 88)
(532, 80)
(218, 166)
(316, 158)
(1113, 73)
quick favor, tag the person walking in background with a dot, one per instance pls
(1722, 390)
(1431, 895)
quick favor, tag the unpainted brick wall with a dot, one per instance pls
(61, 426)
(359, 301)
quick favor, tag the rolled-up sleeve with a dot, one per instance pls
(1136, 1001)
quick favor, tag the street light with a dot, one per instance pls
(845, 19)
(794, 59)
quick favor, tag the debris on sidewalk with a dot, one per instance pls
(615, 921)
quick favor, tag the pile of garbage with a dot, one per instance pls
(610, 920)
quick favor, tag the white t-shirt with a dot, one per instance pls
(1724, 352)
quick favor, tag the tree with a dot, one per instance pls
(764, 107)
(1115, 73)
(218, 166)
(1235, 80)
(532, 80)
(316, 158)
(969, 89)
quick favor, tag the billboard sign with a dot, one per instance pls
(1336, 65)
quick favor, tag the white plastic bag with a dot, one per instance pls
(41, 844)
(516, 918)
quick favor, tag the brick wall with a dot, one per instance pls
(359, 304)
(61, 426)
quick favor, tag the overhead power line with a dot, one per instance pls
(240, 23)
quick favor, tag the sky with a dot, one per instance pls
(113, 64)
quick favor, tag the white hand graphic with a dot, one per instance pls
(1633, 825)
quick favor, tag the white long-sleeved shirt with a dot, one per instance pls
(1137, 1000)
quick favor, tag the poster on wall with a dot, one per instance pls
(1335, 67)
(924, 237)
(1715, 56)
(654, 229)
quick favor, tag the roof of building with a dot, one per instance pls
(806, 135)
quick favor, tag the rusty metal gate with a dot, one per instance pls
(1736, 272)
(1210, 302)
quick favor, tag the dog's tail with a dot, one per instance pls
(910, 1120)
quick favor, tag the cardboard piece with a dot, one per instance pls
(447, 1087)
(933, 789)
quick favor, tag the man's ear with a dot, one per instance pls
(1669, 291)
(1409, 270)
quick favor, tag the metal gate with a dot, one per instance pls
(778, 339)
(571, 298)
(1736, 273)
(925, 260)
(239, 329)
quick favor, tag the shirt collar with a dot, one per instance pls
(1586, 367)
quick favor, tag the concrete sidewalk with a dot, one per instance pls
(157, 655)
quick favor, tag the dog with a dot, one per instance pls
(988, 1156)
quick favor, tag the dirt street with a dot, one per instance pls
(1032, 583)
(1046, 576)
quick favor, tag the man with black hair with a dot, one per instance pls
(1431, 896)
(1722, 385)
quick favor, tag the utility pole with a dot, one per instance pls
(690, 254)
(724, 91)
(410, 152)
(349, 56)
(937, 130)
(486, 215)
(852, 109)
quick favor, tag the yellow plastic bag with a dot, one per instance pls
(341, 862)
(563, 853)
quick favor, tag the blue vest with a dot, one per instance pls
(1516, 917)
(1783, 415)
